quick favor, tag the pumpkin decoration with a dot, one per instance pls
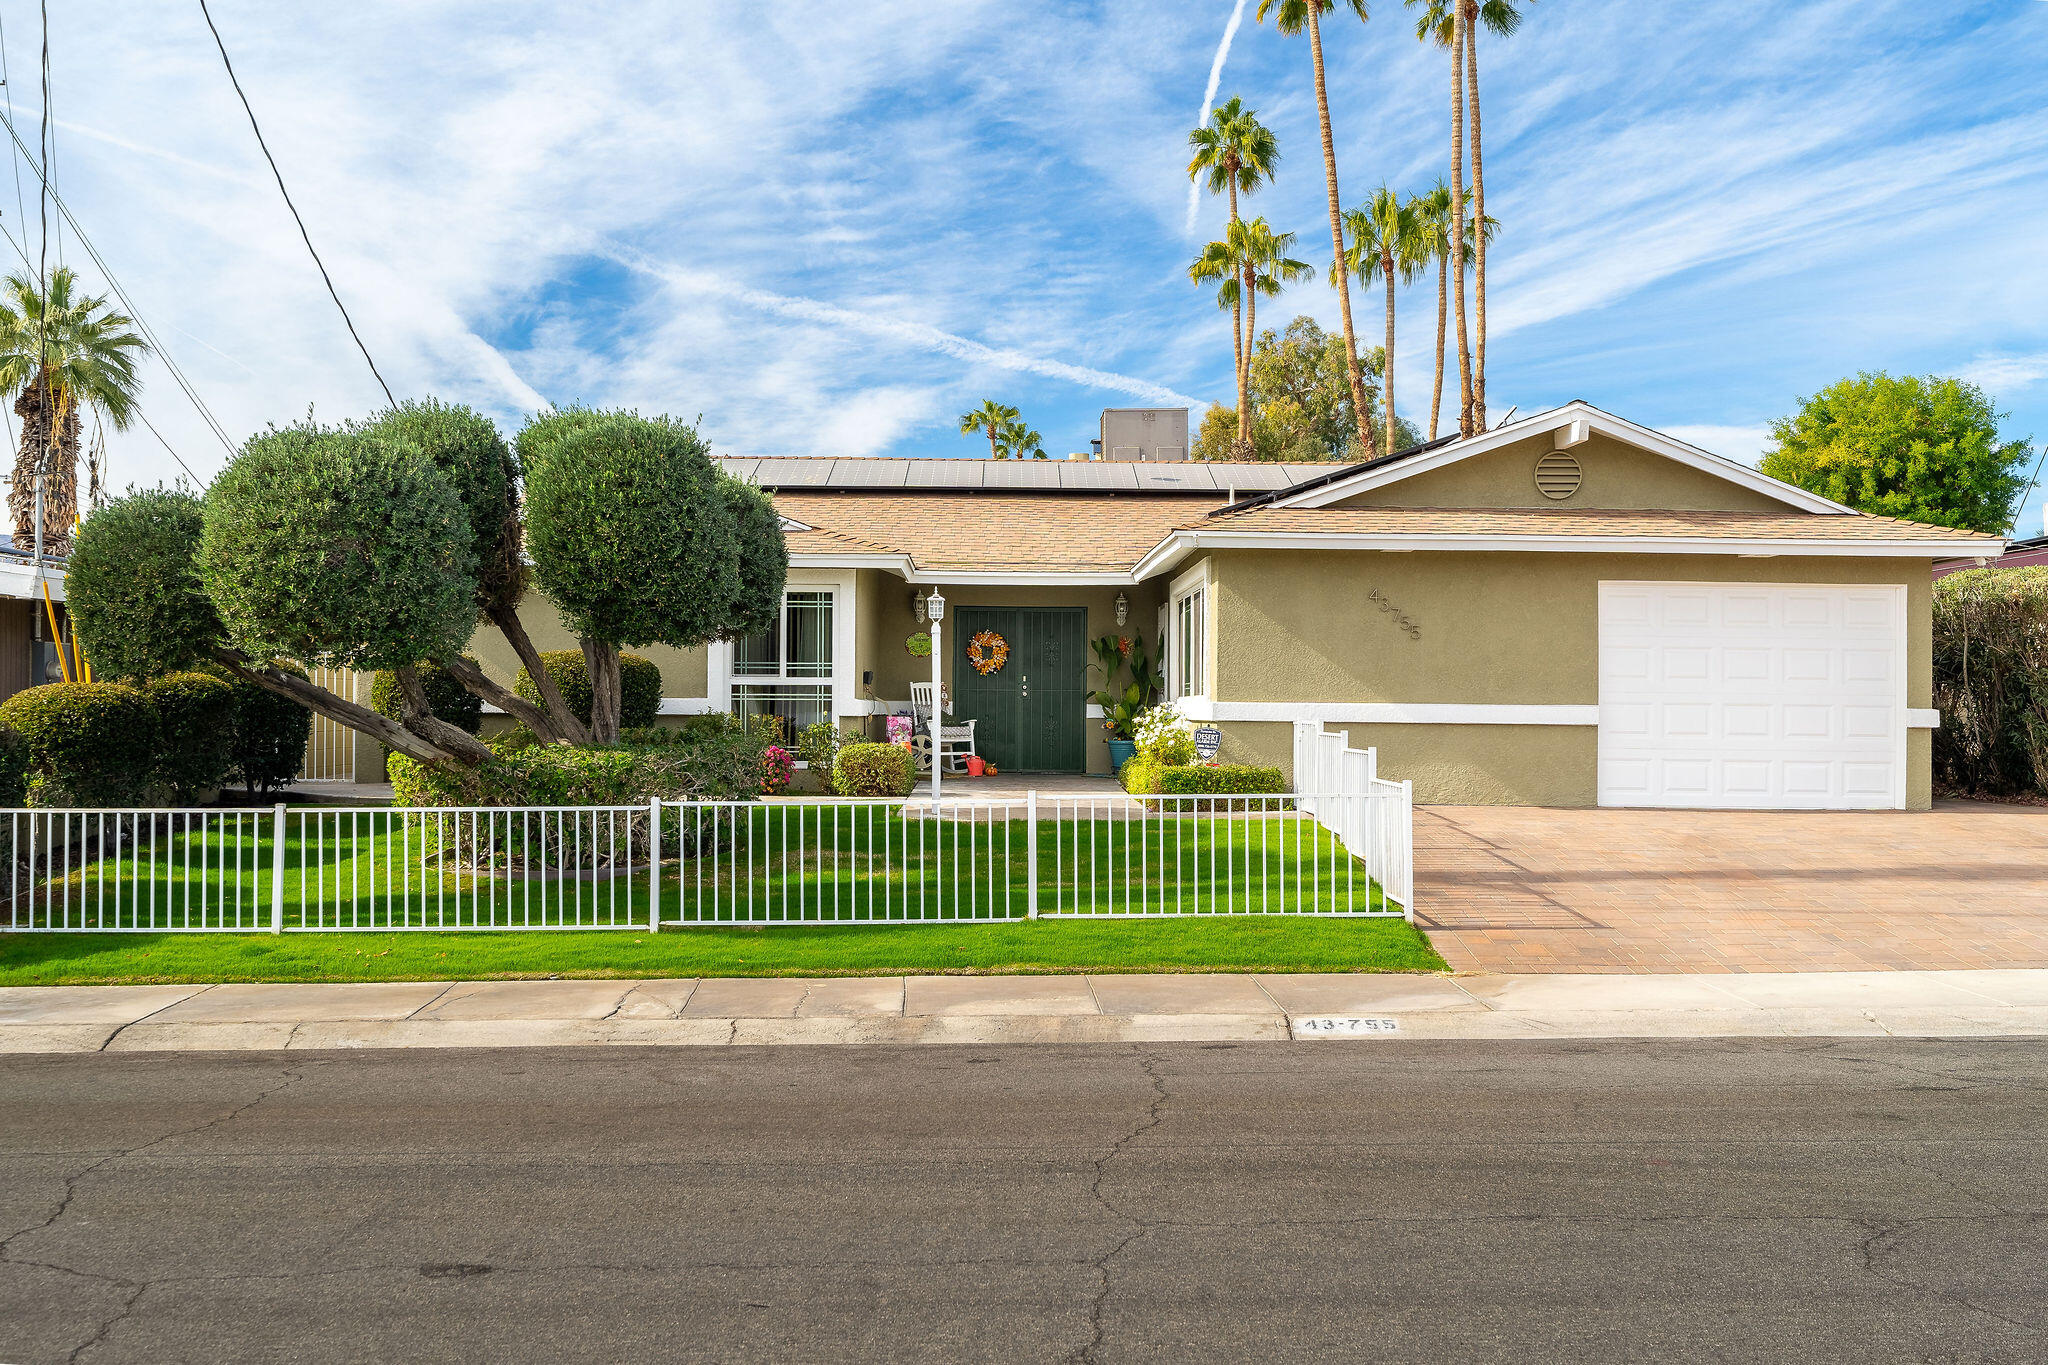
(988, 652)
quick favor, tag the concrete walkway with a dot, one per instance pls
(1018, 1009)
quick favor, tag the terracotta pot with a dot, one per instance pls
(976, 766)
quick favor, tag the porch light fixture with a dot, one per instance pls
(917, 606)
(1123, 608)
(935, 607)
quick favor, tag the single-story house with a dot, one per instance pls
(1569, 609)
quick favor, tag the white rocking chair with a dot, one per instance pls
(956, 742)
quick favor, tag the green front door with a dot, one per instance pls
(1032, 713)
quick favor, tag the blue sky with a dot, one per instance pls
(832, 228)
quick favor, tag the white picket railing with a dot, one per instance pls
(1371, 815)
(1340, 849)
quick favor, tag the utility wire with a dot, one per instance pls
(7, 90)
(2020, 504)
(279, 176)
(167, 447)
(148, 332)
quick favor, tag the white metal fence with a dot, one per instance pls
(1341, 849)
(1369, 813)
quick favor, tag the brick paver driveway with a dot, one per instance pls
(1503, 888)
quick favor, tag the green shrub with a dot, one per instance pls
(818, 746)
(14, 771)
(639, 686)
(132, 589)
(1221, 779)
(468, 448)
(874, 770)
(678, 766)
(1991, 681)
(195, 733)
(1162, 736)
(448, 699)
(90, 744)
(267, 744)
(1140, 775)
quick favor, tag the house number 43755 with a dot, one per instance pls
(1401, 618)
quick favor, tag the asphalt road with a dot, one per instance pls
(1838, 1200)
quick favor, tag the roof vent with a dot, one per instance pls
(1558, 475)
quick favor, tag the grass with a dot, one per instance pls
(1173, 945)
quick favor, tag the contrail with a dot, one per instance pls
(913, 334)
(1209, 100)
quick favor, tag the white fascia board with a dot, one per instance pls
(1606, 423)
(944, 577)
(1389, 713)
(895, 563)
(18, 579)
(1180, 544)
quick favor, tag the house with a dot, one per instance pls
(2019, 554)
(27, 656)
(1569, 609)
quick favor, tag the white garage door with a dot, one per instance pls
(1767, 696)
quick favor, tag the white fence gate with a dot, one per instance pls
(1372, 815)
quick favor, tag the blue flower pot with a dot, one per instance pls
(1121, 751)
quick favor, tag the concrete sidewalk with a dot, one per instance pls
(1019, 1009)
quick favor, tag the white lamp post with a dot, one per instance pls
(935, 608)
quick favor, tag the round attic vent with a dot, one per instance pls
(1558, 475)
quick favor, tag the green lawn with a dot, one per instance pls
(1275, 944)
(755, 864)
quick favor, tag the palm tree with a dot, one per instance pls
(1268, 269)
(1222, 263)
(1291, 17)
(1238, 154)
(1443, 23)
(1433, 220)
(991, 417)
(1019, 442)
(60, 351)
(1387, 242)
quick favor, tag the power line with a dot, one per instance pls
(2020, 503)
(7, 90)
(167, 448)
(148, 332)
(279, 176)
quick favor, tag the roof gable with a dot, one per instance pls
(1571, 427)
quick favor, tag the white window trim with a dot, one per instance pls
(845, 677)
(1195, 580)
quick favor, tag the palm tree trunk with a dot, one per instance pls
(993, 453)
(1478, 235)
(1436, 393)
(1237, 345)
(1358, 409)
(48, 458)
(1244, 383)
(1387, 356)
(1458, 216)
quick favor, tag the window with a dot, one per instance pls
(1190, 628)
(787, 672)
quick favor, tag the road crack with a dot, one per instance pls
(1155, 1114)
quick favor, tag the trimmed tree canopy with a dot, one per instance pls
(133, 589)
(764, 561)
(339, 547)
(1923, 448)
(467, 447)
(633, 530)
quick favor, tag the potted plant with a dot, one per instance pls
(1122, 702)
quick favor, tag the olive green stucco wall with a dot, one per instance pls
(1615, 475)
(1496, 628)
(683, 671)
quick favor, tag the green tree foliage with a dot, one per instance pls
(1301, 395)
(1924, 448)
(449, 699)
(763, 561)
(1991, 680)
(133, 592)
(467, 447)
(269, 735)
(339, 547)
(89, 744)
(639, 685)
(195, 736)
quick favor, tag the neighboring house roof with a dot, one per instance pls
(1205, 478)
(2019, 554)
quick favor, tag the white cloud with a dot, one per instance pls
(1209, 100)
(2001, 374)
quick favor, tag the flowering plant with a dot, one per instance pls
(1164, 737)
(777, 764)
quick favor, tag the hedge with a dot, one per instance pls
(89, 744)
(268, 742)
(639, 686)
(1991, 681)
(195, 737)
(1222, 779)
(671, 764)
(874, 770)
(448, 699)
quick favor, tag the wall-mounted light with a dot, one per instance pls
(1123, 608)
(917, 606)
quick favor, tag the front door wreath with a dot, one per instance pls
(988, 652)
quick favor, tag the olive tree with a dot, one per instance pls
(641, 539)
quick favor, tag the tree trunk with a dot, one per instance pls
(313, 697)
(1358, 409)
(562, 721)
(1436, 393)
(1458, 216)
(1387, 356)
(55, 466)
(421, 720)
(993, 454)
(1244, 388)
(1478, 234)
(480, 683)
(1238, 344)
(602, 662)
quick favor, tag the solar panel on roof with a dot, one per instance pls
(945, 473)
(1177, 477)
(1032, 475)
(794, 474)
(870, 473)
(1099, 477)
(740, 467)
